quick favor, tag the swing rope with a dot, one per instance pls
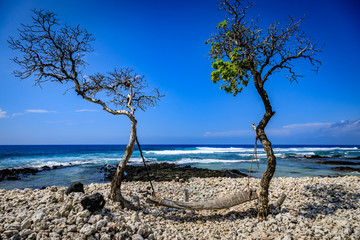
(252, 159)
(147, 170)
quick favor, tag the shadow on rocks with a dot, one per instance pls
(196, 216)
(326, 199)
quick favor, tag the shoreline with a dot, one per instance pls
(157, 171)
(82, 163)
(161, 171)
(315, 208)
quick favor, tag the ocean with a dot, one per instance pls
(83, 162)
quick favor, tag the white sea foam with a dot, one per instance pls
(199, 150)
(204, 161)
(248, 150)
(229, 149)
(40, 164)
(260, 155)
(313, 149)
(139, 160)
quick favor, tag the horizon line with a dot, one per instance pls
(179, 144)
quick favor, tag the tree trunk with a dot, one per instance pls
(263, 200)
(115, 193)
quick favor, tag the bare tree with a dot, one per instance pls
(55, 52)
(242, 50)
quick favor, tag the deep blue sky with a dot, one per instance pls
(164, 40)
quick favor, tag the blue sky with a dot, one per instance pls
(164, 40)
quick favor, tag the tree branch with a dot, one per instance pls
(55, 52)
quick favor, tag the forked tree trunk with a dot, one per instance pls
(263, 200)
(115, 193)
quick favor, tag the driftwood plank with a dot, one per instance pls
(217, 203)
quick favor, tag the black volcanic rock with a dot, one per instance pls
(338, 163)
(167, 172)
(346, 169)
(15, 173)
(93, 202)
(315, 156)
(75, 187)
(45, 168)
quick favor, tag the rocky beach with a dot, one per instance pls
(315, 208)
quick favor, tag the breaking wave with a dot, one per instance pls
(199, 150)
(204, 161)
(249, 150)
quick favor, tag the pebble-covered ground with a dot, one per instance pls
(315, 208)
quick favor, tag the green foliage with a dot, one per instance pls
(228, 63)
(232, 75)
(221, 25)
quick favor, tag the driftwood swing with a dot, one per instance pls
(224, 202)
(217, 203)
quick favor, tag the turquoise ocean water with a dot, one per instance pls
(82, 162)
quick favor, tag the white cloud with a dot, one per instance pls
(306, 125)
(86, 110)
(316, 129)
(17, 114)
(344, 127)
(2, 114)
(32, 111)
(39, 111)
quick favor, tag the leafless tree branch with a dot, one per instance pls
(55, 52)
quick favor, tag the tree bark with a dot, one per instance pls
(115, 193)
(263, 200)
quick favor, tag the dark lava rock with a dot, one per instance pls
(75, 187)
(25, 171)
(46, 168)
(338, 163)
(57, 166)
(15, 173)
(168, 172)
(315, 156)
(346, 169)
(333, 156)
(93, 202)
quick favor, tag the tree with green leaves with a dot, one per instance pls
(55, 52)
(243, 51)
